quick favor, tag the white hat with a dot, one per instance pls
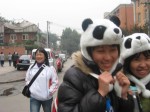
(132, 44)
(102, 32)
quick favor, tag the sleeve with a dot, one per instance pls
(75, 96)
(27, 78)
(53, 81)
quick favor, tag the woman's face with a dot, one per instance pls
(140, 66)
(40, 58)
(105, 56)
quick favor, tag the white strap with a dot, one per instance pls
(116, 86)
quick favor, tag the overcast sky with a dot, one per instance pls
(62, 13)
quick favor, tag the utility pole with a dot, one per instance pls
(48, 30)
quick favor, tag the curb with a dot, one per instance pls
(13, 81)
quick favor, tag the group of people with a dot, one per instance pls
(11, 58)
(102, 75)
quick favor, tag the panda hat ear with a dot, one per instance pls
(115, 20)
(86, 23)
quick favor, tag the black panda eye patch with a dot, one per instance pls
(98, 32)
(127, 43)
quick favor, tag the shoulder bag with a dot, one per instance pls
(26, 91)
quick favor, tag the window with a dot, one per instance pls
(13, 37)
(25, 36)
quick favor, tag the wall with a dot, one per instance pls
(6, 49)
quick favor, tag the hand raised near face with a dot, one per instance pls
(124, 83)
(104, 81)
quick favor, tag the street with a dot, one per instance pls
(11, 98)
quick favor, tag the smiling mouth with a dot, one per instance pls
(143, 72)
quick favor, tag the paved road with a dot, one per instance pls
(17, 102)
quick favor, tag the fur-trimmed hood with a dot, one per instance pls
(78, 62)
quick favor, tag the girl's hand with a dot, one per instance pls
(124, 83)
(104, 80)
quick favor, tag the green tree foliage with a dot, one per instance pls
(70, 40)
(53, 38)
(136, 29)
(29, 45)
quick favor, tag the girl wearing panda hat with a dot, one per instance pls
(80, 91)
(135, 55)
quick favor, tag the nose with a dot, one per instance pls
(107, 56)
(143, 63)
(116, 30)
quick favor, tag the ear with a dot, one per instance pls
(115, 20)
(86, 23)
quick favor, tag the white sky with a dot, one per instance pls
(62, 13)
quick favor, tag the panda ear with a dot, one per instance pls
(115, 20)
(86, 23)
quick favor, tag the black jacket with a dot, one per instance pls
(78, 92)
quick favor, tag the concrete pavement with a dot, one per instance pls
(5, 74)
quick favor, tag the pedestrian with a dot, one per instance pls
(9, 58)
(2, 58)
(45, 85)
(15, 58)
(135, 55)
(88, 85)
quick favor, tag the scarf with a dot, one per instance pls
(140, 84)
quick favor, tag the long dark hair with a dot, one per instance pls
(127, 61)
(42, 50)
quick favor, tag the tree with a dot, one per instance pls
(70, 40)
(53, 38)
(136, 29)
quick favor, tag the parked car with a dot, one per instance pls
(23, 62)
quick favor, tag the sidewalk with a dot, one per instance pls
(5, 73)
(6, 68)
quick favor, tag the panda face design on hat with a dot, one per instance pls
(132, 44)
(101, 32)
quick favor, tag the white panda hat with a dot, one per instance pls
(102, 32)
(132, 44)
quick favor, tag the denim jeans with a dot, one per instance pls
(36, 104)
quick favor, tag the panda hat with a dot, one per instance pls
(101, 32)
(132, 44)
(136, 43)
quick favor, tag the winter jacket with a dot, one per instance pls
(45, 84)
(145, 102)
(79, 92)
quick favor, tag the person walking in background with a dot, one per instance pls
(2, 58)
(9, 58)
(15, 57)
(135, 55)
(89, 85)
(45, 85)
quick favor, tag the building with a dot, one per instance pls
(142, 13)
(125, 14)
(15, 34)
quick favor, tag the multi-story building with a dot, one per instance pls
(14, 35)
(125, 14)
(142, 13)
